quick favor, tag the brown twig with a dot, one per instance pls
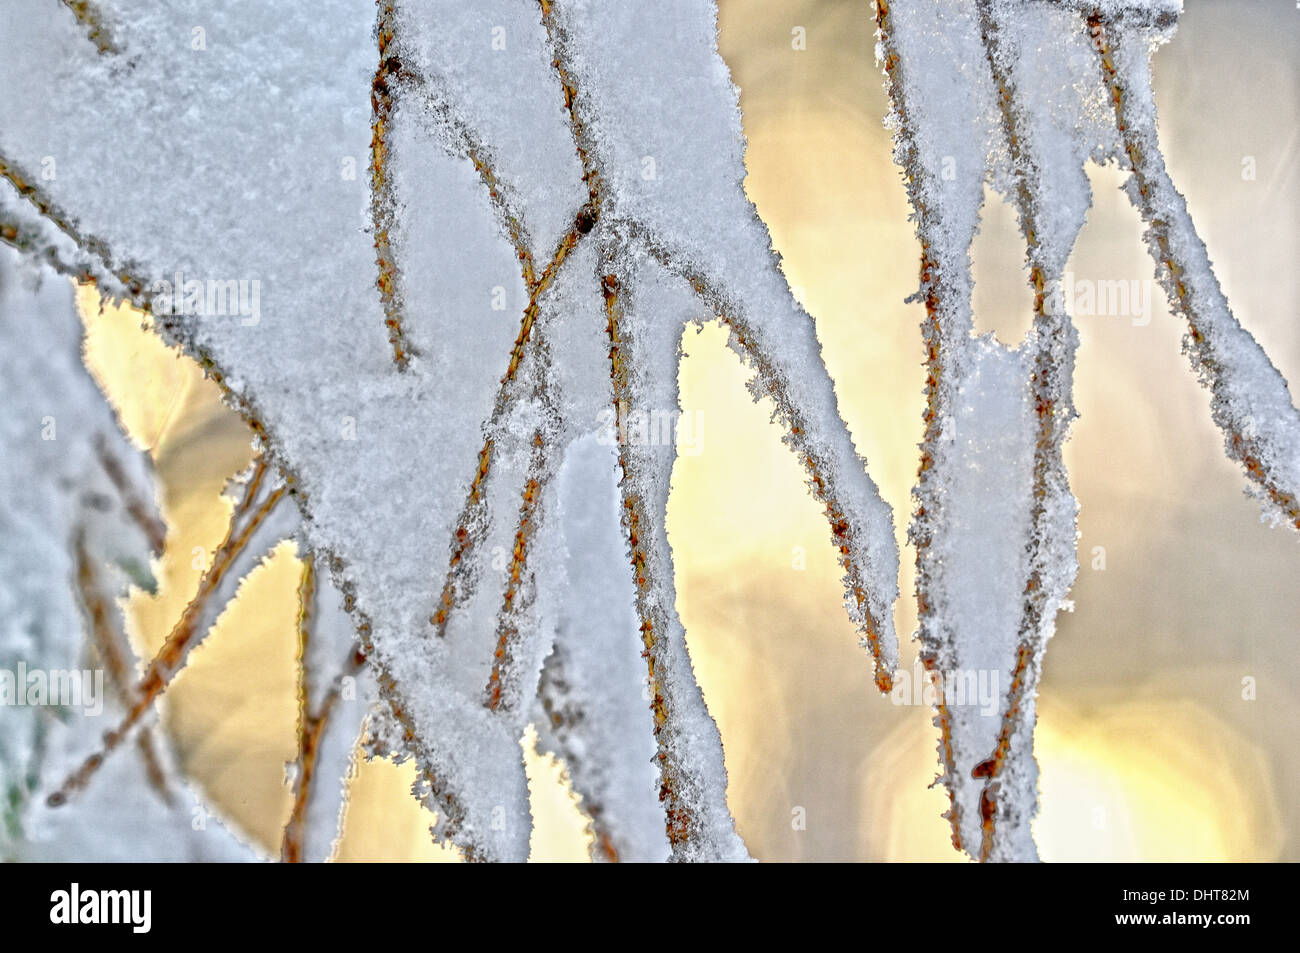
(680, 821)
(383, 197)
(511, 610)
(313, 717)
(185, 634)
(938, 295)
(110, 642)
(462, 141)
(471, 524)
(153, 528)
(821, 479)
(1206, 339)
(91, 19)
(1051, 385)
(679, 817)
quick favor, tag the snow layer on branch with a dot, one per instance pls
(332, 677)
(593, 707)
(230, 162)
(490, 64)
(935, 62)
(674, 179)
(1032, 119)
(24, 228)
(1061, 115)
(652, 310)
(982, 549)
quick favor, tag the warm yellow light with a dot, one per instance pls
(1158, 780)
(561, 832)
(1154, 780)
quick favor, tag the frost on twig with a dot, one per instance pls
(946, 212)
(109, 640)
(257, 523)
(1045, 132)
(383, 206)
(333, 699)
(591, 704)
(33, 224)
(91, 19)
(455, 251)
(1251, 402)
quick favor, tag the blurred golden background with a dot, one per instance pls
(1147, 748)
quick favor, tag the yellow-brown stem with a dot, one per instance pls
(1051, 391)
(185, 633)
(469, 524)
(679, 821)
(928, 500)
(772, 383)
(312, 721)
(383, 197)
(92, 21)
(507, 626)
(1242, 446)
(118, 660)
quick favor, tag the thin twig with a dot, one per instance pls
(1211, 343)
(313, 717)
(471, 524)
(91, 19)
(62, 220)
(511, 609)
(1052, 357)
(799, 427)
(383, 193)
(938, 295)
(153, 528)
(680, 821)
(513, 615)
(110, 642)
(185, 634)
(461, 141)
